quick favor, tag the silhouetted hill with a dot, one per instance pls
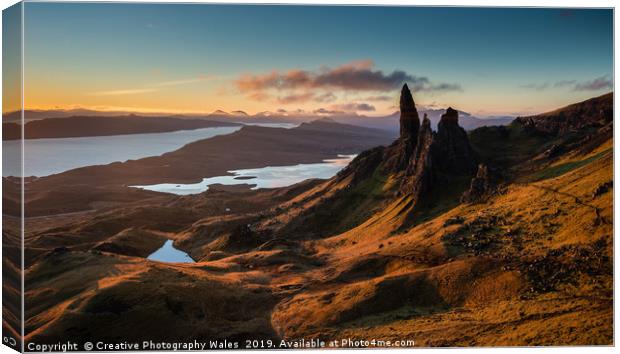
(388, 122)
(594, 112)
(81, 126)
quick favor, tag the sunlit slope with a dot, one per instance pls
(529, 267)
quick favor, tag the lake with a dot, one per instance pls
(44, 157)
(167, 253)
(265, 177)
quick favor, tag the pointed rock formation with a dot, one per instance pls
(399, 153)
(409, 119)
(420, 172)
(438, 158)
(454, 153)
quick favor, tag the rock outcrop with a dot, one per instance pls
(453, 151)
(420, 171)
(421, 165)
(398, 154)
(437, 158)
(483, 185)
(409, 119)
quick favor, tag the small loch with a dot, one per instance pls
(265, 177)
(167, 253)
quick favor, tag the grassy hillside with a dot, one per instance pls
(352, 256)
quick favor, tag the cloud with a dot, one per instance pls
(360, 76)
(353, 107)
(537, 87)
(443, 87)
(327, 111)
(260, 96)
(600, 83)
(546, 85)
(154, 87)
(326, 97)
(423, 84)
(180, 82)
(353, 76)
(273, 80)
(296, 98)
(123, 92)
(564, 83)
(382, 98)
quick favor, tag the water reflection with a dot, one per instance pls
(265, 177)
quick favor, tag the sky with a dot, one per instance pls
(200, 58)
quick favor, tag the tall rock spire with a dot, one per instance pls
(439, 158)
(420, 171)
(400, 151)
(457, 156)
(409, 119)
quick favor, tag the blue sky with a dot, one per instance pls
(176, 57)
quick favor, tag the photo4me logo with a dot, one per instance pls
(339, 343)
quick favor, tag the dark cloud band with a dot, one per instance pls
(354, 76)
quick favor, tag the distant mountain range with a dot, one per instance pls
(388, 122)
(81, 126)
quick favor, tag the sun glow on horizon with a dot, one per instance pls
(226, 61)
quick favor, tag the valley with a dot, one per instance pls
(500, 236)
